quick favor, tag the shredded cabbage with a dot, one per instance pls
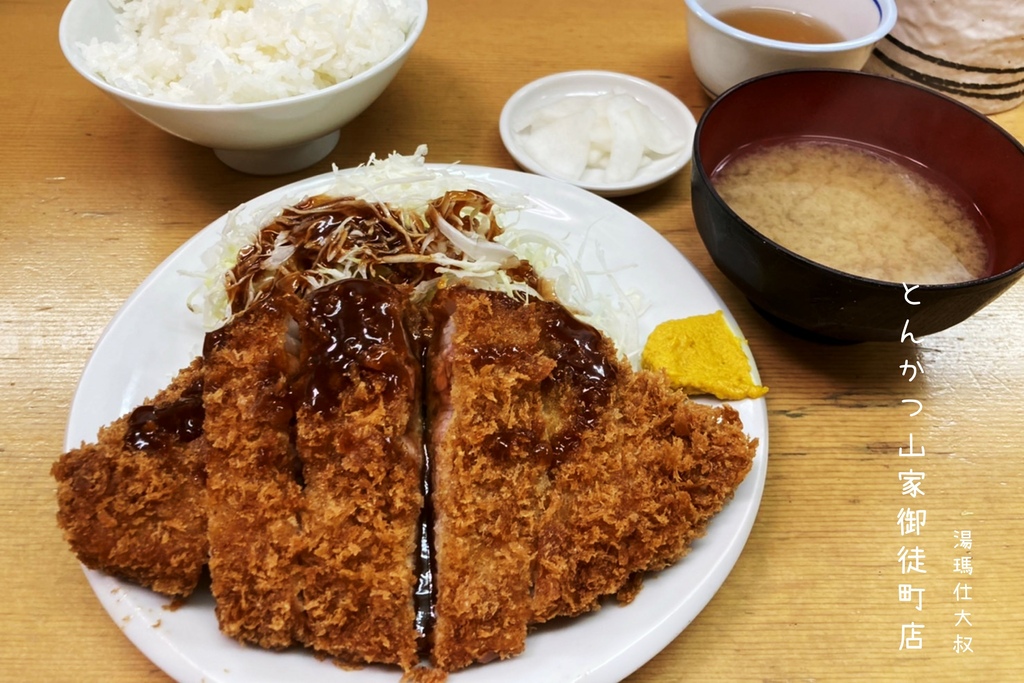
(439, 224)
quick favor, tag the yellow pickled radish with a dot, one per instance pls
(702, 355)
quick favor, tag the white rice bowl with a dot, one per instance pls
(244, 51)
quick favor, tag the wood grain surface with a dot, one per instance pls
(92, 199)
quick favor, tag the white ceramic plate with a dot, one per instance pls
(154, 334)
(557, 87)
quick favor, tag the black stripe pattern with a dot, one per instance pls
(988, 88)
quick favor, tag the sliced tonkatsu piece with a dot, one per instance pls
(641, 484)
(551, 453)
(637, 470)
(488, 465)
(133, 504)
(359, 436)
(253, 487)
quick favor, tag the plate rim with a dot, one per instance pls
(115, 595)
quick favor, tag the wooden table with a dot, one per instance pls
(93, 199)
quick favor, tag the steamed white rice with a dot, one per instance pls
(240, 51)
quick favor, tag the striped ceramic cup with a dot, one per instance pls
(971, 50)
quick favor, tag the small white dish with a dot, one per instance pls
(559, 87)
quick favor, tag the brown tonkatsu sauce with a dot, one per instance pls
(583, 363)
(353, 326)
(155, 427)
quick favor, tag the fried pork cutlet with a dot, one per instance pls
(133, 504)
(291, 456)
(560, 475)
(642, 484)
(485, 371)
(360, 439)
(254, 493)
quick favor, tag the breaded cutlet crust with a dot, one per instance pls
(254, 494)
(485, 426)
(610, 474)
(641, 487)
(139, 514)
(359, 436)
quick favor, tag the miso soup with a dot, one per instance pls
(856, 209)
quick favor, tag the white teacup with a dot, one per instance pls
(723, 56)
